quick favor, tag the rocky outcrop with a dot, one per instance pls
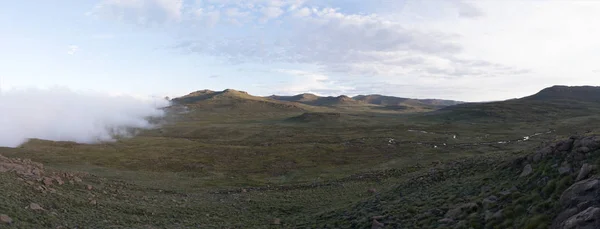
(580, 205)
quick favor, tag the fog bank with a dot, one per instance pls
(60, 114)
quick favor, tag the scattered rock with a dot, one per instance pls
(526, 170)
(77, 179)
(35, 207)
(244, 190)
(47, 181)
(493, 215)
(565, 168)
(372, 190)
(446, 221)
(276, 221)
(377, 217)
(5, 219)
(505, 192)
(489, 201)
(377, 225)
(457, 211)
(89, 187)
(584, 171)
(59, 180)
(93, 202)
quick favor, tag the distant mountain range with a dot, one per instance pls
(306, 101)
(556, 101)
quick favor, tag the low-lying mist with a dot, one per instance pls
(60, 114)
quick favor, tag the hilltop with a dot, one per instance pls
(234, 99)
(550, 103)
(578, 93)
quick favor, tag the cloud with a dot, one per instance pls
(302, 81)
(142, 12)
(458, 43)
(73, 49)
(353, 44)
(60, 114)
(103, 36)
(468, 10)
(271, 12)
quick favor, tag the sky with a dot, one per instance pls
(451, 49)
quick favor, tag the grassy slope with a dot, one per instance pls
(191, 172)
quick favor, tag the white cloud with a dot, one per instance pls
(63, 115)
(271, 12)
(309, 82)
(304, 12)
(72, 49)
(141, 12)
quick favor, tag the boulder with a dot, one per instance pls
(35, 207)
(489, 216)
(582, 191)
(446, 221)
(565, 168)
(276, 221)
(489, 201)
(585, 170)
(526, 170)
(564, 145)
(5, 219)
(376, 224)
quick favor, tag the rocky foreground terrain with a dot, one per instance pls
(556, 187)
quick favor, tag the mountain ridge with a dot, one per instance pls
(548, 103)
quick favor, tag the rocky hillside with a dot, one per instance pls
(555, 187)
